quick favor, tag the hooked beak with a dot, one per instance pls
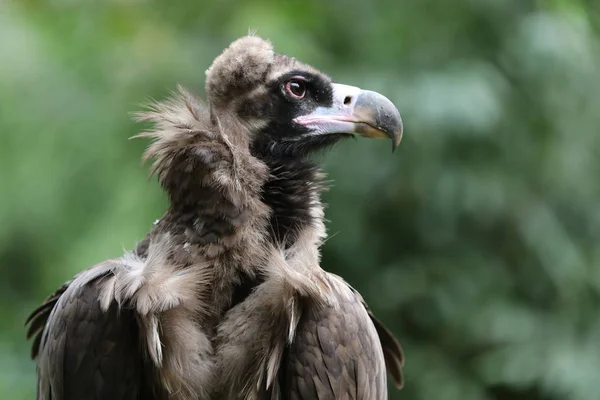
(358, 112)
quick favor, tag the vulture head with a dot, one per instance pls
(290, 108)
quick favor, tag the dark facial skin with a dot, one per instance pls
(307, 113)
(294, 94)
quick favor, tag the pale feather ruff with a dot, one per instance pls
(167, 299)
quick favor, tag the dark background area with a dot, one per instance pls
(476, 242)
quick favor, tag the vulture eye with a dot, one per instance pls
(296, 88)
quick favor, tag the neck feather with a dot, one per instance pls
(293, 195)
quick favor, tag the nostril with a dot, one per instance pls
(347, 100)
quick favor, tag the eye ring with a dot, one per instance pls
(296, 88)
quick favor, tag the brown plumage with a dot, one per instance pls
(224, 297)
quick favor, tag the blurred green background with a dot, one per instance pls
(476, 242)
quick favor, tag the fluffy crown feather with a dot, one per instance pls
(241, 67)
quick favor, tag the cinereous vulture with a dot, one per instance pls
(225, 298)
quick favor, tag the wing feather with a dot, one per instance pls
(392, 351)
(95, 351)
(38, 318)
(340, 351)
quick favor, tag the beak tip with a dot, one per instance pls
(381, 113)
(396, 139)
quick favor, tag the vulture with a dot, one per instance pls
(225, 298)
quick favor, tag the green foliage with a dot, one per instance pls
(476, 242)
